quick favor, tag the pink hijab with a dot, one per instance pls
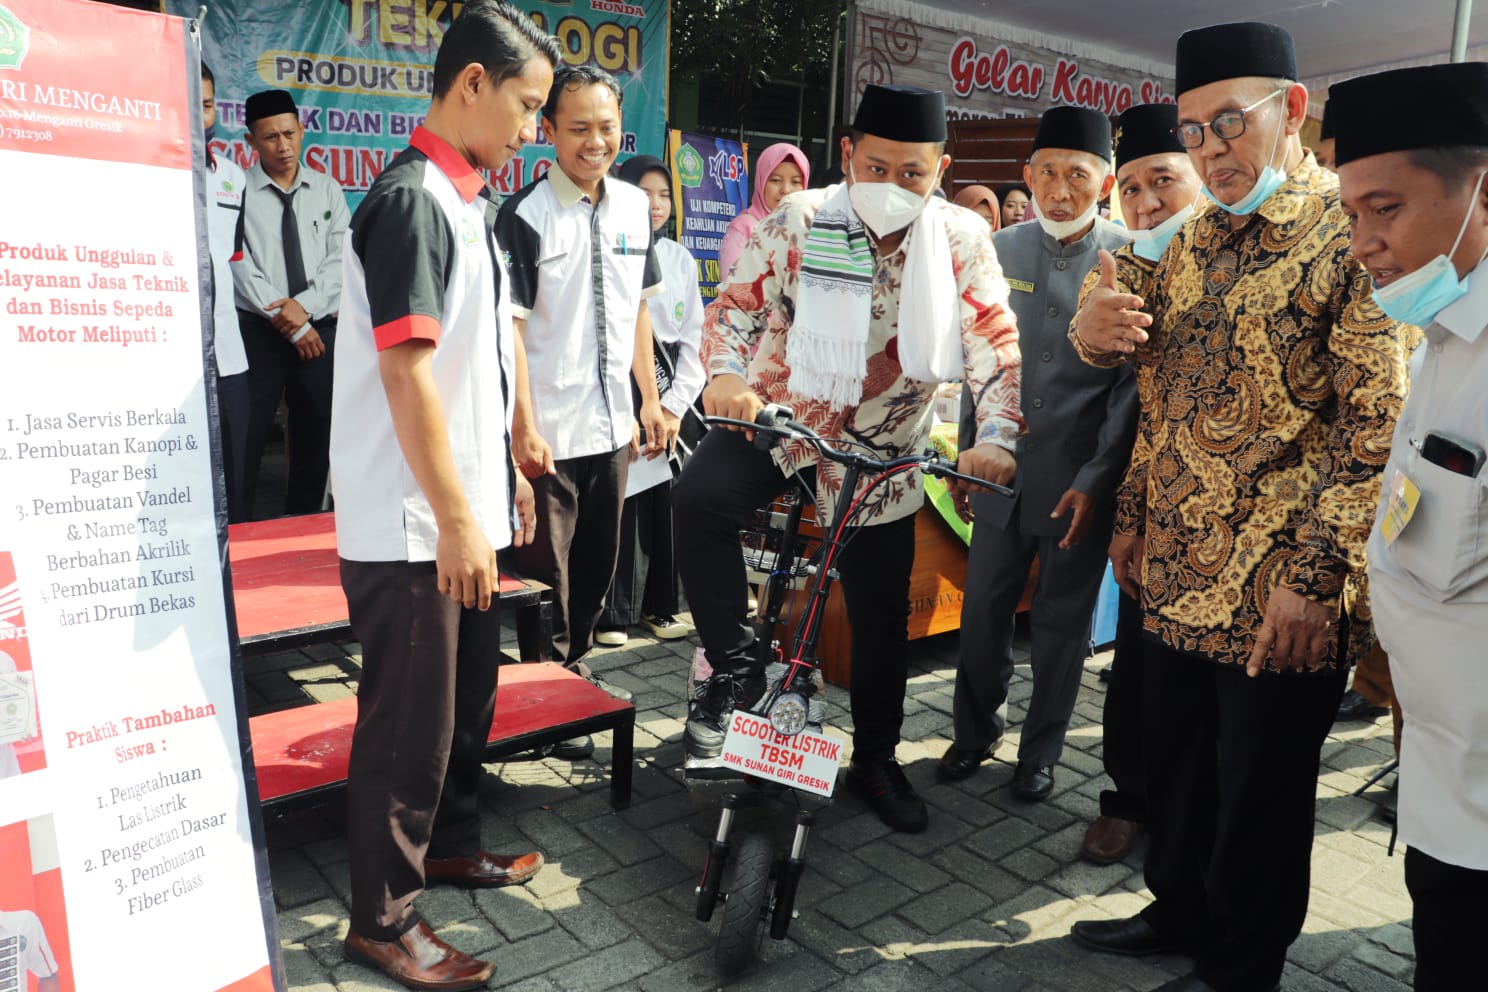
(742, 226)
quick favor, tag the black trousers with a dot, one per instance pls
(232, 412)
(1450, 915)
(578, 539)
(726, 479)
(1122, 726)
(645, 582)
(1064, 596)
(275, 372)
(424, 709)
(1232, 769)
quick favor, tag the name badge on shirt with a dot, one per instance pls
(1020, 285)
(1400, 506)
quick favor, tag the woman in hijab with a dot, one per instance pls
(782, 169)
(981, 200)
(1014, 199)
(644, 589)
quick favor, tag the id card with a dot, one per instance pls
(1400, 506)
(17, 708)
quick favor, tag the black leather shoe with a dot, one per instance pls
(1132, 937)
(1356, 707)
(1033, 784)
(884, 787)
(962, 762)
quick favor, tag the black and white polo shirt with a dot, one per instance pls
(421, 262)
(579, 273)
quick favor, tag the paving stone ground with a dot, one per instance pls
(982, 901)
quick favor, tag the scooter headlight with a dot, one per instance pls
(788, 715)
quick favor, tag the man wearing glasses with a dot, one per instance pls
(1277, 381)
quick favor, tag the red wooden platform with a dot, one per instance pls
(302, 754)
(287, 588)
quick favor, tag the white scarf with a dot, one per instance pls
(827, 348)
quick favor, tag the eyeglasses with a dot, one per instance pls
(1226, 126)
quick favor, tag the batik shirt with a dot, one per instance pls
(1275, 385)
(893, 416)
(1134, 274)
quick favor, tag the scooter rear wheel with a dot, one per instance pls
(746, 914)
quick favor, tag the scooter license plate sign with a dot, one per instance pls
(806, 760)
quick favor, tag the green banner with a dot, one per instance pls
(362, 72)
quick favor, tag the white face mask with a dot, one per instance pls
(1061, 229)
(1270, 179)
(884, 207)
(1151, 243)
(1420, 296)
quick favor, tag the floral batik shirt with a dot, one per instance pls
(893, 416)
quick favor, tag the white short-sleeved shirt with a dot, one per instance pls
(677, 320)
(421, 262)
(24, 947)
(225, 183)
(579, 272)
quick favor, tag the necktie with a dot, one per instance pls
(289, 231)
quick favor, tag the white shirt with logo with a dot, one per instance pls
(23, 948)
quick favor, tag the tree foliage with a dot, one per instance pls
(739, 44)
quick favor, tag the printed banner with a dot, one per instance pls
(362, 72)
(710, 183)
(984, 75)
(122, 786)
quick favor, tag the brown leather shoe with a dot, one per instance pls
(419, 960)
(1109, 839)
(482, 870)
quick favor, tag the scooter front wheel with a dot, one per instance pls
(746, 914)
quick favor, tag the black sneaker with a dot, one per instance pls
(707, 717)
(884, 787)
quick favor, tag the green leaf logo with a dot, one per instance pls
(689, 167)
(15, 38)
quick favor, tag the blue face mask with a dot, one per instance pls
(1417, 298)
(1269, 181)
(1151, 243)
(211, 132)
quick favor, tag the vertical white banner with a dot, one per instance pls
(130, 783)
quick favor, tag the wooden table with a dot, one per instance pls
(301, 755)
(287, 589)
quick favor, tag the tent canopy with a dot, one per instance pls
(1335, 38)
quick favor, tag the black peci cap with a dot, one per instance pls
(1233, 51)
(1147, 129)
(1428, 106)
(269, 103)
(901, 113)
(1328, 129)
(1076, 128)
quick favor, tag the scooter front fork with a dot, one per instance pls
(789, 878)
(718, 852)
